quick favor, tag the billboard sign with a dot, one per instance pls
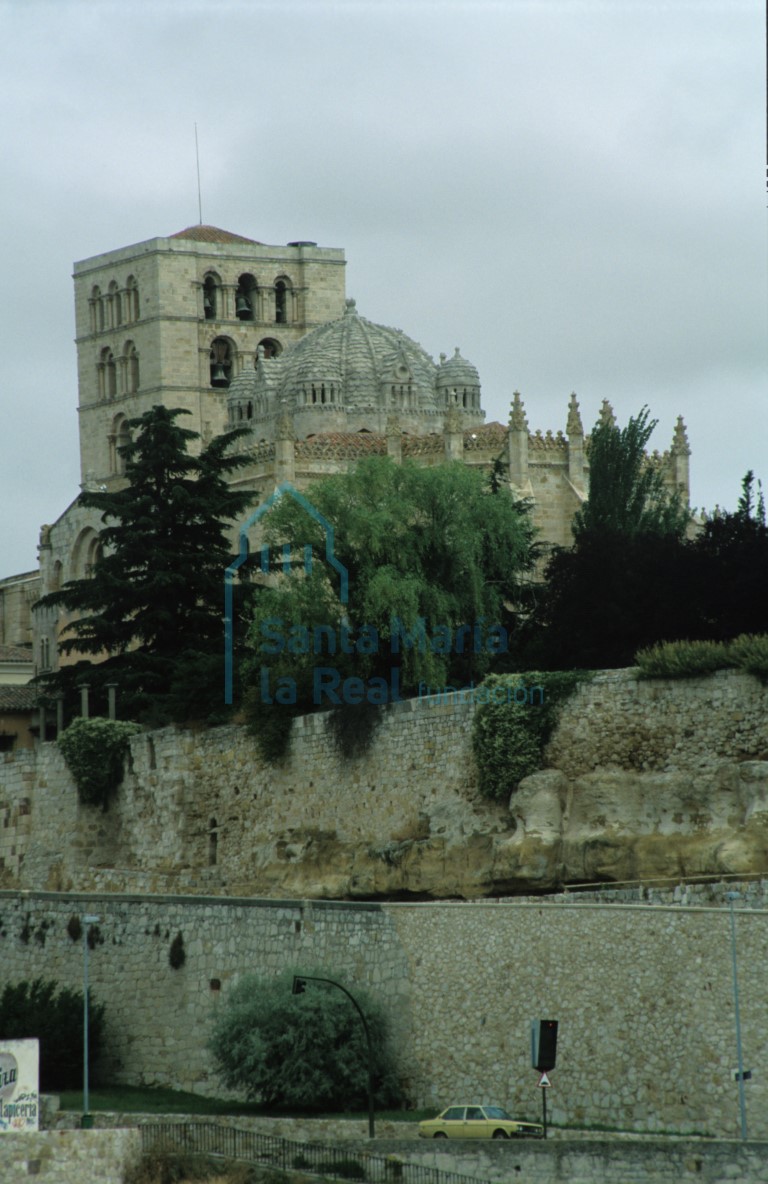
(19, 1085)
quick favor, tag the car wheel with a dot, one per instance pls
(500, 1134)
(440, 1135)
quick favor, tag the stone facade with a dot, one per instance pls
(239, 333)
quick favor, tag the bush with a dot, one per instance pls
(750, 652)
(510, 730)
(55, 1017)
(307, 1051)
(95, 750)
(683, 659)
(689, 659)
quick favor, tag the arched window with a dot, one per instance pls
(115, 303)
(221, 358)
(97, 310)
(213, 842)
(131, 364)
(131, 299)
(246, 297)
(84, 553)
(211, 296)
(283, 290)
(269, 349)
(107, 374)
(118, 438)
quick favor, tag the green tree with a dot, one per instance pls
(731, 560)
(434, 561)
(54, 1016)
(151, 609)
(627, 493)
(308, 1050)
(628, 580)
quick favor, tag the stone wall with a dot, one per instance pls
(641, 780)
(643, 993)
(70, 1157)
(601, 1161)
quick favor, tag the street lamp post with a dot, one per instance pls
(731, 897)
(299, 984)
(88, 919)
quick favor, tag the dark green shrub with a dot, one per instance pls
(95, 751)
(54, 1016)
(683, 659)
(307, 1051)
(515, 716)
(749, 652)
(346, 1169)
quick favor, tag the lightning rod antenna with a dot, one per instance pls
(199, 196)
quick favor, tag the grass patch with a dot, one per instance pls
(131, 1099)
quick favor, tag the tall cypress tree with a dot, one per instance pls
(152, 606)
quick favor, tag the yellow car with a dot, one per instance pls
(478, 1122)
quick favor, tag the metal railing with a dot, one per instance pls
(233, 1143)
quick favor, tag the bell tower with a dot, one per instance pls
(174, 320)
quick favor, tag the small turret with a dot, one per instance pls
(517, 444)
(575, 429)
(679, 455)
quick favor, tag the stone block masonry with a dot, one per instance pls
(640, 780)
(643, 993)
(70, 1157)
(665, 780)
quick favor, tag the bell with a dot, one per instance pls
(207, 306)
(243, 307)
(219, 375)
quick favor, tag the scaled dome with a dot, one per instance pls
(360, 360)
(351, 375)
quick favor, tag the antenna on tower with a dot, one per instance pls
(199, 197)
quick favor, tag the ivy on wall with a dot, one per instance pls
(95, 751)
(516, 714)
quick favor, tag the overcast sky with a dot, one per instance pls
(572, 192)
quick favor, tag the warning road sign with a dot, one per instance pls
(544, 1082)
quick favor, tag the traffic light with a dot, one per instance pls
(299, 985)
(543, 1044)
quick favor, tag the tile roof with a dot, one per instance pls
(18, 698)
(212, 234)
(15, 653)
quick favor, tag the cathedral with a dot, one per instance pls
(242, 334)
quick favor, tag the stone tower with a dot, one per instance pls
(174, 320)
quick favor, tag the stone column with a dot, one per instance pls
(285, 450)
(394, 439)
(453, 434)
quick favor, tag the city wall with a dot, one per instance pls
(643, 993)
(205, 841)
(640, 780)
